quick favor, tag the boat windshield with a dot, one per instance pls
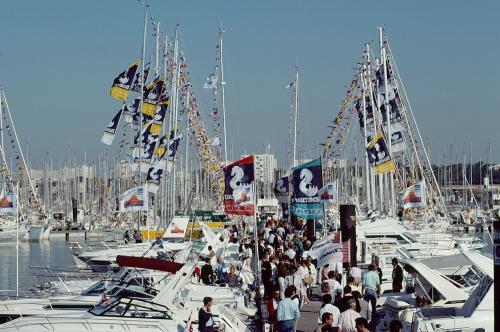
(95, 289)
(410, 237)
(136, 308)
(403, 252)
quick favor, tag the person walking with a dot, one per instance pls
(347, 320)
(371, 287)
(287, 313)
(328, 307)
(326, 324)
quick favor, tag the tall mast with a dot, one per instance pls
(296, 115)
(143, 52)
(367, 167)
(222, 84)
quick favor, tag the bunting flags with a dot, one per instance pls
(8, 202)
(306, 182)
(121, 84)
(328, 194)
(109, 132)
(281, 190)
(135, 199)
(414, 196)
(152, 96)
(238, 190)
(378, 155)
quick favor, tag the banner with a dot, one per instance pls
(137, 83)
(152, 95)
(238, 189)
(331, 254)
(7, 202)
(319, 245)
(281, 189)
(378, 155)
(155, 172)
(131, 112)
(121, 84)
(414, 196)
(177, 228)
(135, 199)
(328, 194)
(397, 138)
(109, 132)
(306, 181)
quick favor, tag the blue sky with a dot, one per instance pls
(58, 59)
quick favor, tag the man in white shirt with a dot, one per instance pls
(347, 321)
(327, 306)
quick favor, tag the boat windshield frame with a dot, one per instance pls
(132, 308)
(410, 237)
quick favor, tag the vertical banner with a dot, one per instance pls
(306, 182)
(281, 189)
(122, 84)
(397, 138)
(152, 96)
(238, 191)
(110, 131)
(378, 155)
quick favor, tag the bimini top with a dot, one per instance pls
(148, 263)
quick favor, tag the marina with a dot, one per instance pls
(174, 188)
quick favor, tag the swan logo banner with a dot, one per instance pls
(378, 155)
(152, 96)
(154, 175)
(121, 84)
(135, 199)
(307, 180)
(238, 187)
(109, 132)
(281, 189)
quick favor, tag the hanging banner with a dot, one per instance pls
(109, 132)
(281, 190)
(331, 254)
(7, 203)
(397, 138)
(155, 172)
(414, 196)
(135, 199)
(328, 194)
(320, 245)
(238, 190)
(131, 112)
(378, 155)
(137, 83)
(121, 84)
(306, 182)
(152, 95)
(177, 228)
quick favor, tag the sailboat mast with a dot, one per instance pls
(367, 167)
(143, 52)
(222, 84)
(296, 115)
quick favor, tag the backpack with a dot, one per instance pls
(325, 287)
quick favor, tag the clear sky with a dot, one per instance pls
(58, 59)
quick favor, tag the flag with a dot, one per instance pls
(158, 118)
(109, 132)
(131, 112)
(397, 138)
(378, 155)
(137, 84)
(211, 81)
(121, 84)
(161, 150)
(321, 244)
(290, 85)
(306, 182)
(135, 199)
(8, 202)
(215, 141)
(328, 194)
(152, 96)
(414, 196)
(331, 254)
(155, 172)
(281, 189)
(238, 189)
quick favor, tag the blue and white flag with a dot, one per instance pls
(307, 180)
(109, 132)
(282, 190)
(155, 173)
(135, 199)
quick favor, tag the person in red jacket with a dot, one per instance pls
(272, 305)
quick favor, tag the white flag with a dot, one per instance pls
(135, 199)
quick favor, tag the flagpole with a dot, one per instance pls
(255, 234)
(17, 240)
(143, 51)
(367, 167)
(296, 116)
(222, 83)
